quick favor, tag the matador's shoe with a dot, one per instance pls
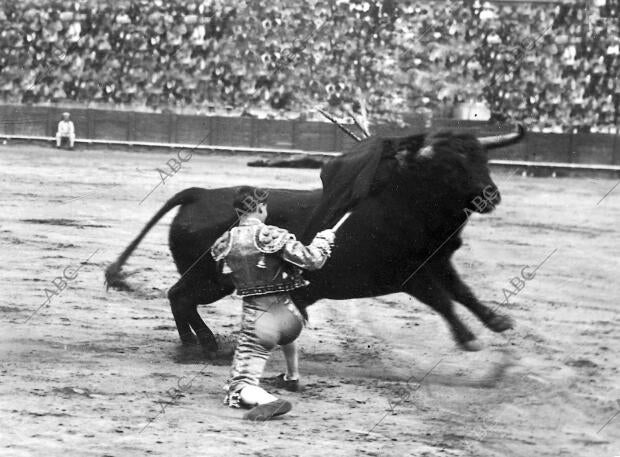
(268, 411)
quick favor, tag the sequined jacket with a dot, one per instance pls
(264, 259)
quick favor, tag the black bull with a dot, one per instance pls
(405, 226)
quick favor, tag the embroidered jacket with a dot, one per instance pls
(265, 259)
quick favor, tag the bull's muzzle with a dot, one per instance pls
(486, 200)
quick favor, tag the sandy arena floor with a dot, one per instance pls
(96, 373)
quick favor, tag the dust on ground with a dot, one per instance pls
(90, 372)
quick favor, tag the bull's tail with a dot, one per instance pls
(113, 275)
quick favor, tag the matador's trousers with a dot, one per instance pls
(268, 320)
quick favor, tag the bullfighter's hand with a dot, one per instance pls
(327, 235)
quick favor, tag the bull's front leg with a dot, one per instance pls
(445, 273)
(424, 286)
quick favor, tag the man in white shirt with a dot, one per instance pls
(65, 130)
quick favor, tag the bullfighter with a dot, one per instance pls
(265, 264)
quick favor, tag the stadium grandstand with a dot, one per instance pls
(553, 65)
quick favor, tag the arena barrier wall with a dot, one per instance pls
(223, 132)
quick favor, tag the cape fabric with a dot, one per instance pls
(353, 176)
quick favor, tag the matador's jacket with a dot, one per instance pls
(263, 259)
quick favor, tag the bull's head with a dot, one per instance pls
(455, 166)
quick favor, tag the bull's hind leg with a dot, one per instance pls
(448, 276)
(425, 288)
(185, 296)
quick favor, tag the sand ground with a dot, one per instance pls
(101, 373)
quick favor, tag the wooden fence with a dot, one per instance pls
(115, 125)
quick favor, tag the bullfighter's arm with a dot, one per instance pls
(273, 240)
(311, 257)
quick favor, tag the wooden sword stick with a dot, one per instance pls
(341, 221)
(342, 127)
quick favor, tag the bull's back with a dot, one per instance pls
(201, 221)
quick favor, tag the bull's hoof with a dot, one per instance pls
(472, 345)
(207, 340)
(223, 350)
(209, 347)
(188, 339)
(500, 323)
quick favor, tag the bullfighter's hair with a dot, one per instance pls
(247, 198)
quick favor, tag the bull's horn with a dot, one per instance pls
(499, 141)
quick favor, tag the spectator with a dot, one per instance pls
(66, 130)
(285, 57)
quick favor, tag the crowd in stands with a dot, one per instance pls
(555, 66)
